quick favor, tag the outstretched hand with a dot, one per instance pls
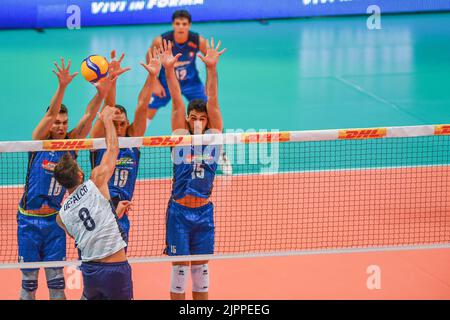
(154, 62)
(115, 68)
(212, 54)
(167, 59)
(63, 73)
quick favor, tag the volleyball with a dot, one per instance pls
(94, 68)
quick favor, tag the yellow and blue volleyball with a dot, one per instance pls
(94, 68)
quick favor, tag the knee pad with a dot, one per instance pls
(179, 279)
(29, 284)
(200, 277)
(55, 278)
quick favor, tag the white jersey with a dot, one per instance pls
(90, 219)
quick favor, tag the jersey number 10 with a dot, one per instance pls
(55, 188)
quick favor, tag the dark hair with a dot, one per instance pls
(122, 109)
(181, 14)
(197, 105)
(66, 172)
(63, 109)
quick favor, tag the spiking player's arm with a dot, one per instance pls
(64, 78)
(61, 224)
(84, 126)
(153, 66)
(211, 59)
(103, 172)
(178, 110)
(115, 70)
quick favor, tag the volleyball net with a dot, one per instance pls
(289, 193)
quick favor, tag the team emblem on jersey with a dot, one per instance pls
(191, 54)
(208, 158)
(125, 161)
(48, 165)
(192, 45)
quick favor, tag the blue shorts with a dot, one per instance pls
(107, 281)
(191, 90)
(40, 239)
(189, 230)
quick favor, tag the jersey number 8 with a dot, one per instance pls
(85, 216)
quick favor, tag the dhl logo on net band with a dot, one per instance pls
(443, 129)
(266, 137)
(166, 141)
(363, 133)
(68, 144)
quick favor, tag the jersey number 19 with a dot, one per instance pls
(120, 177)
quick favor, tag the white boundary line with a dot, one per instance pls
(221, 176)
(234, 256)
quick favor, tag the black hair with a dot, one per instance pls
(181, 14)
(122, 109)
(197, 105)
(63, 109)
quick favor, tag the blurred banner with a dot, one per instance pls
(63, 13)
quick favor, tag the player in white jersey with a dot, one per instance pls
(88, 216)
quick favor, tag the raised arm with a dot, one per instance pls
(178, 110)
(115, 70)
(64, 78)
(157, 43)
(61, 225)
(103, 172)
(84, 126)
(211, 59)
(139, 125)
(202, 45)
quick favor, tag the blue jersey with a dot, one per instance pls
(41, 187)
(122, 183)
(185, 68)
(194, 170)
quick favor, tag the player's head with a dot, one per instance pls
(59, 128)
(68, 173)
(197, 116)
(181, 22)
(121, 120)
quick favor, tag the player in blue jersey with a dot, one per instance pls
(39, 236)
(190, 222)
(122, 183)
(188, 44)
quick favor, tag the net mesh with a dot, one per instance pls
(285, 196)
